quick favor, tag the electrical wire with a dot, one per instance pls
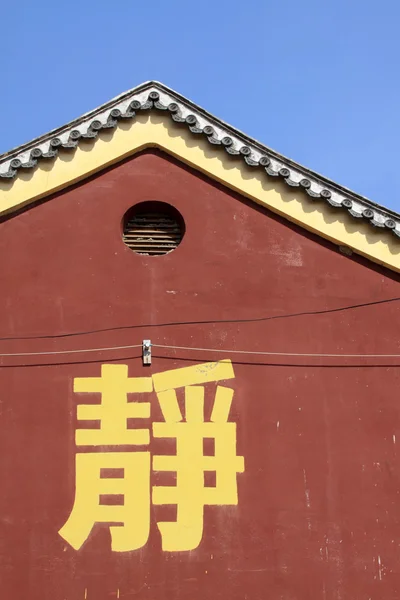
(205, 322)
(218, 350)
(71, 351)
(296, 354)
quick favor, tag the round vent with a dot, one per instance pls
(153, 228)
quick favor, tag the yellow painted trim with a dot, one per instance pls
(146, 131)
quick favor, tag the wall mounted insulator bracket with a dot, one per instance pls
(146, 352)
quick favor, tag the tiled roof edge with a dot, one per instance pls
(157, 97)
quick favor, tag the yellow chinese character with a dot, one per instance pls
(132, 518)
(190, 494)
(125, 476)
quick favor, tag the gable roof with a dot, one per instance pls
(155, 98)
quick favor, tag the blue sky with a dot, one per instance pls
(318, 81)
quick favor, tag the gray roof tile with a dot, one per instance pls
(157, 97)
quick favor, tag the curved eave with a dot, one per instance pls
(153, 130)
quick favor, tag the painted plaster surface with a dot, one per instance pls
(309, 507)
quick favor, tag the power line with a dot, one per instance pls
(206, 322)
(262, 353)
(218, 350)
(50, 353)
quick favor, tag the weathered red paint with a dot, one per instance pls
(319, 502)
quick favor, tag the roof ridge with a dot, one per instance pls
(153, 95)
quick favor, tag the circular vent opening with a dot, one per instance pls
(153, 228)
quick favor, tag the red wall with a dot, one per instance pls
(319, 501)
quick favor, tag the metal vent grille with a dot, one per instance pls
(152, 234)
